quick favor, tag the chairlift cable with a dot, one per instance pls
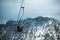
(20, 11)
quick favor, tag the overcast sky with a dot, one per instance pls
(33, 8)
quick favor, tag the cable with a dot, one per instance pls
(20, 11)
(23, 13)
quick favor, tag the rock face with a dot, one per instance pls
(39, 28)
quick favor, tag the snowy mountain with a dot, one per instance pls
(39, 28)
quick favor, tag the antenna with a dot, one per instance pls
(20, 11)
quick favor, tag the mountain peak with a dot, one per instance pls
(39, 28)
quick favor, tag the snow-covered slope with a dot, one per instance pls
(39, 28)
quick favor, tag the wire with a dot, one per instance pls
(20, 11)
(22, 14)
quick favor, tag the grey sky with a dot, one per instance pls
(33, 8)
